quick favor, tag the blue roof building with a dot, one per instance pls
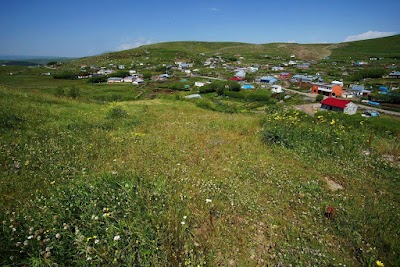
(268, 79)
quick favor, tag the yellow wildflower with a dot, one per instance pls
(53, 182)
(333, 122)
(379, 263)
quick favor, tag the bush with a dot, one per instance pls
(66, 75)
(319, 98)
(59, 92)
(98, 79)
(116, 113)
(73, 92)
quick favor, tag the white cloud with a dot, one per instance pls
(133, 44)
(368, 35)
(214, 9)
(291, 41)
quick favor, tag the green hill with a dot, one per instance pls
(387, 47)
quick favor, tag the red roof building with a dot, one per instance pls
(335, 104)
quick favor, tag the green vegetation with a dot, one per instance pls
(95, 174)
(386, 48)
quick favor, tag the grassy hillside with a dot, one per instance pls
(387, 47)
(168, 52)
(167, 183)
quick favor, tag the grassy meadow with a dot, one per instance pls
(104, 179)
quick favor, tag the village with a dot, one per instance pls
(325, 80)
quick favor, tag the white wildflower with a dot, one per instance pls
(117, 237)
(208, 200)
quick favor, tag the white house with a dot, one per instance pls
(129, 79)
(114, 80)
(277, 89)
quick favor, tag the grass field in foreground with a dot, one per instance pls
(165, 183)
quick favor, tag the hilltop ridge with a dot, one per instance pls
(167, 51)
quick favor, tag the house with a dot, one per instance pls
(268, 79)
(240, 73)
(340, 105)
(277, 89)
(276, 68)
(303, 66)
(394, 74)
(114, 80)
(138, 81)
(104, 72)
(284, 75)
(338, 83)
(358, 90)
(303, 78)
(129, 79)
(327, 89)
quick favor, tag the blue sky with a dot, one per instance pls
(81, 28)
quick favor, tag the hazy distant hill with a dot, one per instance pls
(388, 47)
(30, 60)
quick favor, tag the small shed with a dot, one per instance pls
(340, 105)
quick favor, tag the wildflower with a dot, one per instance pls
(89, 258)
(333, 122)
(53, 182)
(117, 237)
(58, 236)
(184, 217)
(182, 223)
(25, 242)
(30, 237)
(96, 241)
(208, 200)
(379, 263)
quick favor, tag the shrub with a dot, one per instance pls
(73, 92)
(319, 98)
(66, 75)
(116, 113)
(97, 79)
(59, 92)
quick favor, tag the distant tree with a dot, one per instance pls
(147, 75)
(121, 74)
(234, 86)
(250, 77)
(97, 79)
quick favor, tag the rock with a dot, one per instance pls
(332, 185)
